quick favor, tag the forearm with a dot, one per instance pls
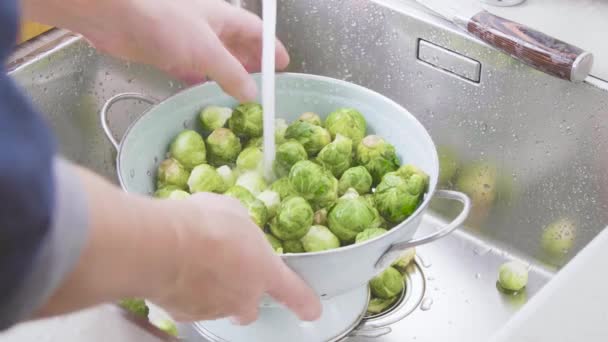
(128, 250)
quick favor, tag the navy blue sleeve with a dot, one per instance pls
(27, 184)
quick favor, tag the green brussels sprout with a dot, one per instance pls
(319, 238)
(214, 117)
(165, 191)
(328, 198)
(348, 122)
(407, 171)
(255, 142)
(204, 178)
(369, 234)
(247, 120)
(558, 237)
(189, 149)
(351, 215)
(171, 172)
(136, 306)
(312, 137)
(448, 164)
(478, 180)
(228, 177)
(378, 157)
(272, 200)
(397, 198)
(356, 177)
(379, 305)
(293, 246)
(283, 187)
(288, 153)
(293, 219)
(167, 326)
(406, 258)
(370, 199)
(274, 242)
(256, 208)
(337, 156)
(178, 194)
(320, 217)
(252, 181)
(251, 158)
(311, 118)
(513, 276)
(280, 126)
(388, 284)
(312, 182)
(224, 147)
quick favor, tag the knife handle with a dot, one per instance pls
(534, 48)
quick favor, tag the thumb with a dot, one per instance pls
(290, 290)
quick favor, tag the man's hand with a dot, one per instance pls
(191, 39)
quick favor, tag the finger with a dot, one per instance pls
(220, 65)
(281, 56)
(287, 288)
(247, 316)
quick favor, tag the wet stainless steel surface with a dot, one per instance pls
(543, 139)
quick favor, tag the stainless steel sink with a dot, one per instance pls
(542, 138)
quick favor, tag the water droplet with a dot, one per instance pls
(132, 173)
(148, 173)
(477, 275)
(426, 304)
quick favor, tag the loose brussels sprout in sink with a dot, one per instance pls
(388, 284)
(224, 147)
(214, 117)
(189, 149)
(513, 276)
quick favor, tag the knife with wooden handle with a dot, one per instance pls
(538, 50)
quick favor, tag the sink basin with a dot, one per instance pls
(528, 147)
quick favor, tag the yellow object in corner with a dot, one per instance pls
(30, 30)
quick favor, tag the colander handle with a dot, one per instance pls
(396, 249)
(103, 113)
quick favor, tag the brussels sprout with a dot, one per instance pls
(167, 326)
(513, 276)
(379, 305)
(136, 306)
(256, 142)
(313, 183)
(283, 187)
(204, 178)
(247, 120)
(406, 258)
(189, 149)
(312, 137)
(370, 199)
(478, 180)
(256, 208)
(224, 147)
(293, 246)
(252, 181)
(378, 157)
(407, 171)
(280, 126)
(369, 234)
(320, 217)
(288, 153)
(388, 284)
(171, 172)
(311, 118)
(350, 194)
(178, 194)
(274, 242)
(448, 164)
(337, 156)
(293, 219)
(328, 198)
(165, 191)
(272, 200)
(250, 158)
(213, 117)
(319, 238)
(397, 198)
(228, 177)
(557, 238)
(350, 216)
(348, 122)
(356, 177)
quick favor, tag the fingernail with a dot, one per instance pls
(250, 91)
(235, 321)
